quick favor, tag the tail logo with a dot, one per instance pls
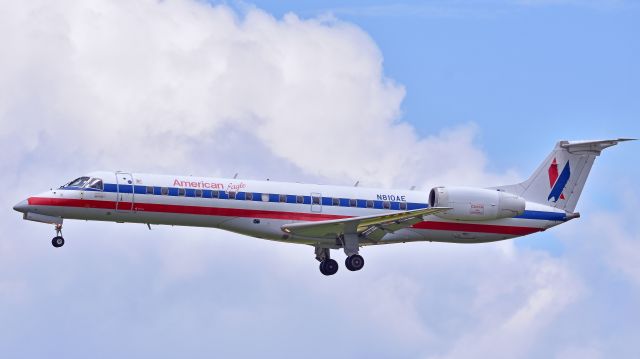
(558, 182)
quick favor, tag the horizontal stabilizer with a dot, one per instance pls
(595, 147)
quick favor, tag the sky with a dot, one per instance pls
(388, 94)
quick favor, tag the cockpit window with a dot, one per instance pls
(95, 183)
(85, 182)
(78, 182)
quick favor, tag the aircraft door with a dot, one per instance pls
(125, 192)
(316, 202)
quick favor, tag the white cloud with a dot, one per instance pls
(613, 236)
(159, 85)
(185, 86)
(517, 298)
(580, 352)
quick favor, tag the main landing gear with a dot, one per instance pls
(58, 241)
(328, 266)
(351, 245)
(354, 261)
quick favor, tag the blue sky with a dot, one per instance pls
(392, 94)
(557, 68)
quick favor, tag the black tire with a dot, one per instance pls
(330, 267)
(57, 241)
(354, 262)
(348, 265)
(322, 269)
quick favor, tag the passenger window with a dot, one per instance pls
(353, 203)
(315, 199)
(335, 201)
(283, 198)
(248, 196)
(265, 197)
(198, 193)
(181, 192)
(149, 190)
(164, 191)
(386, 204)
(215, 194)
(232, 195)
(369, 204)
(299, 199)
(403, 206)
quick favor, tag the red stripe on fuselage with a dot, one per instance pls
(70, 202)
(252, 213)
(476, 228)
(180, 209)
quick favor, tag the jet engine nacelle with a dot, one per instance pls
(475, 204)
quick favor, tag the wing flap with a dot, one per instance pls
(366, 225)
(376, 232)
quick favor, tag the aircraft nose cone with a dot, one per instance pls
(21, 207)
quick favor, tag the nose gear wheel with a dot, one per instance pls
(58, 240)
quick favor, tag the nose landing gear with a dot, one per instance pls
(58, 241)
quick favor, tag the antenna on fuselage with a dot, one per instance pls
(357, 183)
(235, 175)
(412, 188)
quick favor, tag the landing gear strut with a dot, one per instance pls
(354, 261)
(58, 241)
(328, 266)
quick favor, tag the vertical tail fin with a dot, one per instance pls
(559, 180)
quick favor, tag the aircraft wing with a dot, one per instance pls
(372, 227)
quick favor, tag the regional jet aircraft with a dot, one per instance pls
(328, 217)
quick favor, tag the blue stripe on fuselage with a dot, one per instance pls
(547, 216)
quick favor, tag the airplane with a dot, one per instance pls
(328, 217)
